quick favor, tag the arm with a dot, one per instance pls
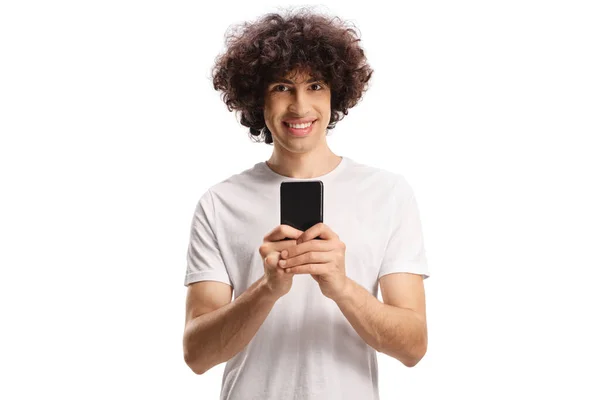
(217, 336)
(392, 329)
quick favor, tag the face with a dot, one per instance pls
(297, 96)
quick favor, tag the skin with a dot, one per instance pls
(299, 157)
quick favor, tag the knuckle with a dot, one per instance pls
(263, 249)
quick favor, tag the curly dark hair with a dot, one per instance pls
(277, 44)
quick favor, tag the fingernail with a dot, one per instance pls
(284, 253)
(282, 262)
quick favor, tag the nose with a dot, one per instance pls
(299, 104)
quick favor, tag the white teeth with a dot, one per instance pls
(299, 126)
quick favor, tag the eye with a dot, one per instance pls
(278, 86)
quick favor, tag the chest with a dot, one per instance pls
(362, 223)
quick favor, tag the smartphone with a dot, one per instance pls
(301, 204)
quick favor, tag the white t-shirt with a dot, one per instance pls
(306, 348)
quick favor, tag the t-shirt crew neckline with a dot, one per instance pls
(328, 175)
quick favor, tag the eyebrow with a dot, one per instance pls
(282, 80)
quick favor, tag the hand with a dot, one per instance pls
(324, 259)
(278, 282)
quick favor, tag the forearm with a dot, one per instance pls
(217, 336)
(398, 332)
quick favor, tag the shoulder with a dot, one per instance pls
(237, 184)
(392, 182)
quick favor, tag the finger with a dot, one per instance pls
(312, 269)
(276, 247)
(318, 230)
(281, 232)
(312, 245)
(316, 257)
(272, 262)
(271, 259)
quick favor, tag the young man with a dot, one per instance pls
(305, 322)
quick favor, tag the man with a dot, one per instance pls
(305, 322)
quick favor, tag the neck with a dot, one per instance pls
(305, 165)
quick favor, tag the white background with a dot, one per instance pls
(111, 131)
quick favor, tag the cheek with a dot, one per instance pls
(271, 110)
(268, 115)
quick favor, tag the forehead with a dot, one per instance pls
(296, 76)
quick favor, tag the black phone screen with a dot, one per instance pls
(301, 204)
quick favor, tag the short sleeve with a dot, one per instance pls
(204, 259)
(405, 251)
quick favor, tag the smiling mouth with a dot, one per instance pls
(288, 125)
(299, 131)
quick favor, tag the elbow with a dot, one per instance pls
(416, 357)
(412, 362)
(193, 362)
(193, 366)
(192, 356)
(419, 351)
